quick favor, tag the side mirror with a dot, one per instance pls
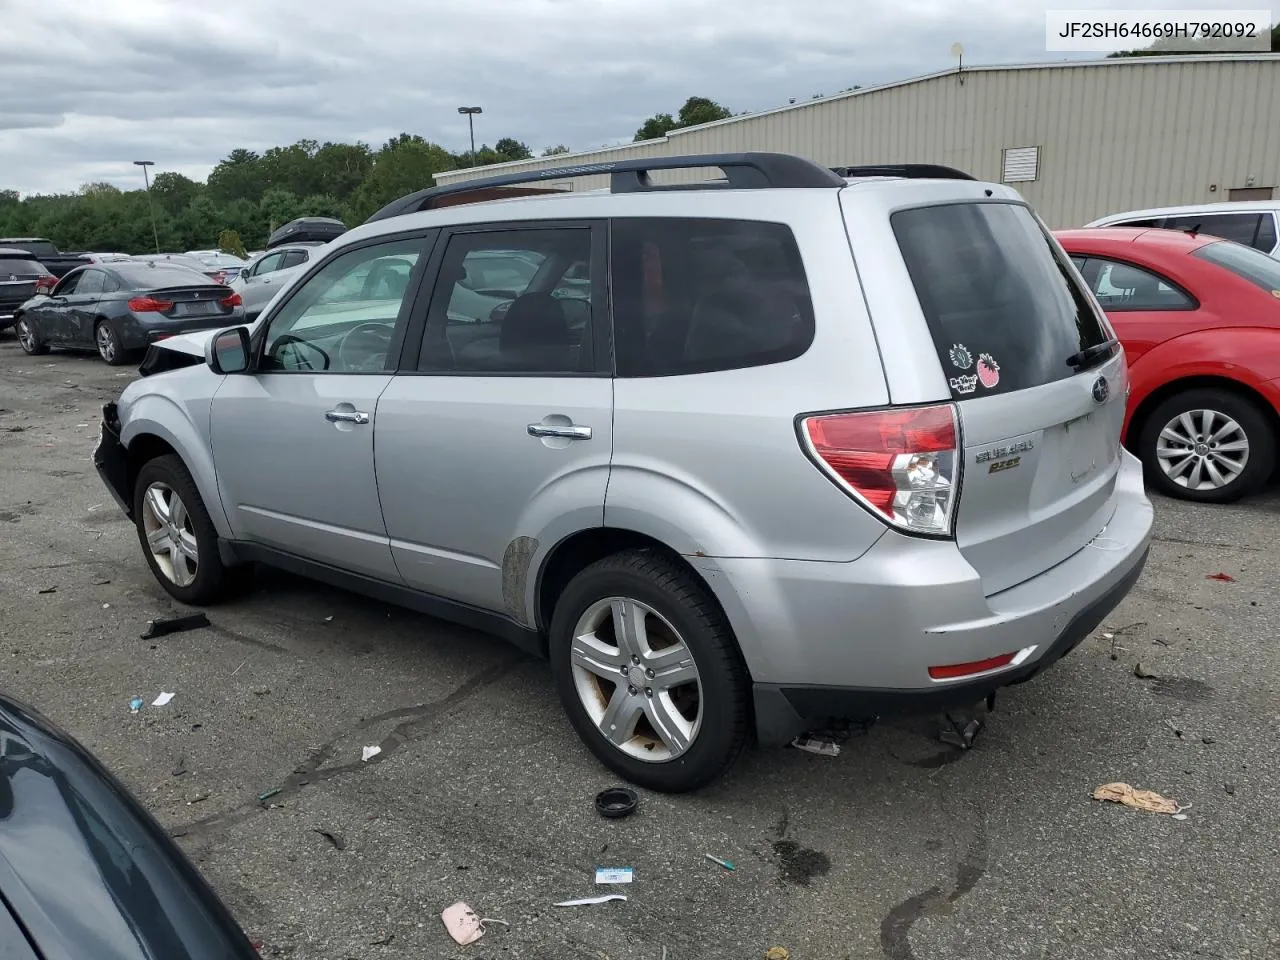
(228, 351)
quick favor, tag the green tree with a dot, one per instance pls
(241, 176)
(512, 149)
(555, 151)
(229, 242)
(173, 192)
(404, 164)
(696, 111)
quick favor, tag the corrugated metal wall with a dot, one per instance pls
(1113, 136)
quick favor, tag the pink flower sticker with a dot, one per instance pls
(988, 370)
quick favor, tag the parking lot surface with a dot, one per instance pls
(901, 847)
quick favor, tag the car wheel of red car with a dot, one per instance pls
(1212, 446)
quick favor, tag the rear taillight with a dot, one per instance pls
(46, 283)
(231, 300)
(902, 463)
(150, 305)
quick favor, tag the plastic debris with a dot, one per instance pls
(959, 731)
(1230, 788)
(135, 704)
(778, 953)
(1142, 673)
(727, 864)
(823, 748)
(161, 700)
(338, 841)
(1147, 800)
(161, 626)
(180, 767)
(264, 797)
(614, 874)
(590, 901)
(1221, 577)
(464, 924)
(368, 753)
(101, 581)
(52, 589)
(1179, 816)
(616, 802)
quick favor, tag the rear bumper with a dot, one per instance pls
(112, 461)
(857, 639)
(137, 334)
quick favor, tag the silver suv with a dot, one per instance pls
(738, 455)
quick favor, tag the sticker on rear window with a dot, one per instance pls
(961, 357)
(988, 370)
(965, 383)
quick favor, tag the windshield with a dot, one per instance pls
(1245, 262)
(20, 270)
(1004, 307)
(37, 248)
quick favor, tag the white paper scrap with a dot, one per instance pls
(368, 753)
(588, 901)
(161, 700)
(614, 874)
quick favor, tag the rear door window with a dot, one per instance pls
(1125, 286)
(1240, 227)
(697, 295)
(1004, 307)
(1257, 268)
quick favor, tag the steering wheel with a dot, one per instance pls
(300, 359)
(364, 348)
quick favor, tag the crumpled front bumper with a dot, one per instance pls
(112, 461)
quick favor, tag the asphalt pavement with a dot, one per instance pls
(902, 847)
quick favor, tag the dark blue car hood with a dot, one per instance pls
(85, 870)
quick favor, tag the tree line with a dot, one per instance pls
(248, 194)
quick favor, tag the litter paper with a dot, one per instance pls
(614, 874)
(161, 700)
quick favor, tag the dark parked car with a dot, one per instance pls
(85, 871)
(121, 308)
(19, 274)
(55, 261)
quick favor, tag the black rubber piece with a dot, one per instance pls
(616, 803)
(161, 627)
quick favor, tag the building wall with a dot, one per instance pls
(1113, 135)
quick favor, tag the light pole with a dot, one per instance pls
(471, 125)
(146, 178)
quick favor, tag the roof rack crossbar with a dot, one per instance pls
(912, 171)
(742, 171)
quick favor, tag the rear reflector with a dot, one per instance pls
(231, 301)
(956, 670)
(901, 463)
(150, 305)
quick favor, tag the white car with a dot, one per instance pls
(1255, 223)
(270, 272)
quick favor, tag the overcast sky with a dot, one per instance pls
(86, 86)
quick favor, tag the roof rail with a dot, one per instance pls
(742, 171)
(912, 171)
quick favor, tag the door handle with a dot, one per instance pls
(573, 432)
(346, 416)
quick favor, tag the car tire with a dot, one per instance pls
(29, 338)
(193, 572)
(107, 340)
(1177, 425)
(680, 622)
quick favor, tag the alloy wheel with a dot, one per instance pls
(170, 534)
(26, 336)
(106, 343)
(637, 679)
(1202, 450)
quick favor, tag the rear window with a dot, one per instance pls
(1002, 305)
(1245, 262)
(22, 269)
(142, 276)
(698, 295)
(37, 248)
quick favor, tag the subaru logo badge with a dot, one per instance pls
(1101, 390)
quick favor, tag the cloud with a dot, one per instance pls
(90, 87)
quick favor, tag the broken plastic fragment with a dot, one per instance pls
(368, 753)
(161, 700)
(1147, 800)
(823, 748)
(614, 874)
(589, 901)
(135, 704)
(728, 865)
(1222, 577)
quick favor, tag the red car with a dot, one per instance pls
(1199, 319)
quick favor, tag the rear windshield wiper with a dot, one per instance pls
(1086, 357)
